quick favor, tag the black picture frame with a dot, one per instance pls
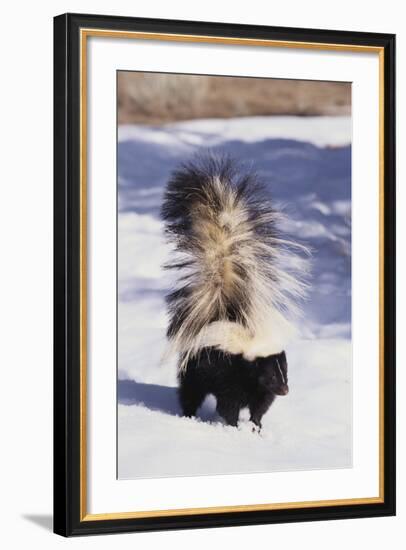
(68, 519)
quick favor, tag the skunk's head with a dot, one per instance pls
(273, 373)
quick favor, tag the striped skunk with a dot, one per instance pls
(235, 383)
(239, 283)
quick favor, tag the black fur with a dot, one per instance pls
(235, 382)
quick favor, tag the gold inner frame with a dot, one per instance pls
(84, 34)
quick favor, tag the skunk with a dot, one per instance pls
(252, 384)
(239, 281)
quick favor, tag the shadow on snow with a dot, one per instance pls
(160, 398)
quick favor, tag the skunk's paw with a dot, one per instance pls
(249, 427)
(255, 428)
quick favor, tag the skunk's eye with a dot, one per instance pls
(273, 378)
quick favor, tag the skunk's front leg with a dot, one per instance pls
(257, 424)
(258, 408)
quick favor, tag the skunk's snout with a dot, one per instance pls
(283, 390)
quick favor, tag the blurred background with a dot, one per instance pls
(156, 98)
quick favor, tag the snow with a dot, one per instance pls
(212, 132)
(307, 162)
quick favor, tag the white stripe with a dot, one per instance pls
(280, 370)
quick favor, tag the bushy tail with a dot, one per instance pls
(237, 274)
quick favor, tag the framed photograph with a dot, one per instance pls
(224, 252)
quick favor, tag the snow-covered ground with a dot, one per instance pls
(307, 163)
